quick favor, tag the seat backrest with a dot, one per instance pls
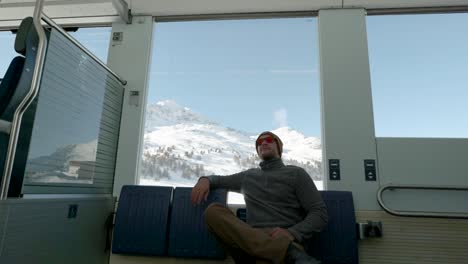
(157, 221)
(189, 236)
(141, 221)
(26, 43)
(12, 76)
(337, 243)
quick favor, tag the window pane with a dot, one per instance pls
(215, 85)
(7, 51)
(418, 68)
(95, 40)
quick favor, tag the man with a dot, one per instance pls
(283, 208)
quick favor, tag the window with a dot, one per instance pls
(215, 85)
(95, 40)
(7, 51)
(418, 71)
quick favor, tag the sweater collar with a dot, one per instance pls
(271, 164)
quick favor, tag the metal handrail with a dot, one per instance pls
(18, 116)
(51, 23)
(420, 214)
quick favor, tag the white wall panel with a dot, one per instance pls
(347, 115)
(131, 58)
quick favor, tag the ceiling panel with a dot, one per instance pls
(203, 7)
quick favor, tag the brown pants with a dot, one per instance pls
(245, 243)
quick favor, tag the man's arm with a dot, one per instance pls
(311, 200)
(231, 182)
(201, 190)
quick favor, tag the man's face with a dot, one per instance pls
(267, 148)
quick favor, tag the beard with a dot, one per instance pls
(268, 156)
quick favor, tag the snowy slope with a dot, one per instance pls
(175, 134)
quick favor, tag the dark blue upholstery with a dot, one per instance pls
(189, 236)
(141, 222)
(10, 81)
(136, 231)
(337, 243)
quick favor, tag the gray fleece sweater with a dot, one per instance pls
(278, 196)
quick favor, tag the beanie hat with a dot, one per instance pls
(278, 141)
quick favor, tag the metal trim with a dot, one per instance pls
(417, 10)
(51, 23)
(312, 13)
(420, 214)
(36, 80)
(80, 22)
(232, 16)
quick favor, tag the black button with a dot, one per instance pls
(369, 164)
(334, 174)
(334, 163)
(371, 175)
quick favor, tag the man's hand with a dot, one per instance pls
(200, 191)
(277, 231)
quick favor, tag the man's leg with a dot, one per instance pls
(238, 235)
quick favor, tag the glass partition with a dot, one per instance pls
(76, 124)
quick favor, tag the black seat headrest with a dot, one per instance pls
(22, 35)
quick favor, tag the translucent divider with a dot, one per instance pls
(76, 125)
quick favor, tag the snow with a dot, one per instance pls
(174, 132)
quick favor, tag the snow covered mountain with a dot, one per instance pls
(180, 146)
(57, 166)
(167, 113)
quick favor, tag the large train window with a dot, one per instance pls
(419, 66)
(215, 85)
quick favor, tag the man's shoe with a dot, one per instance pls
(298, 256)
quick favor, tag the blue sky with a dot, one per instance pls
(253, 75)
(258, 75)
(419, 73)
